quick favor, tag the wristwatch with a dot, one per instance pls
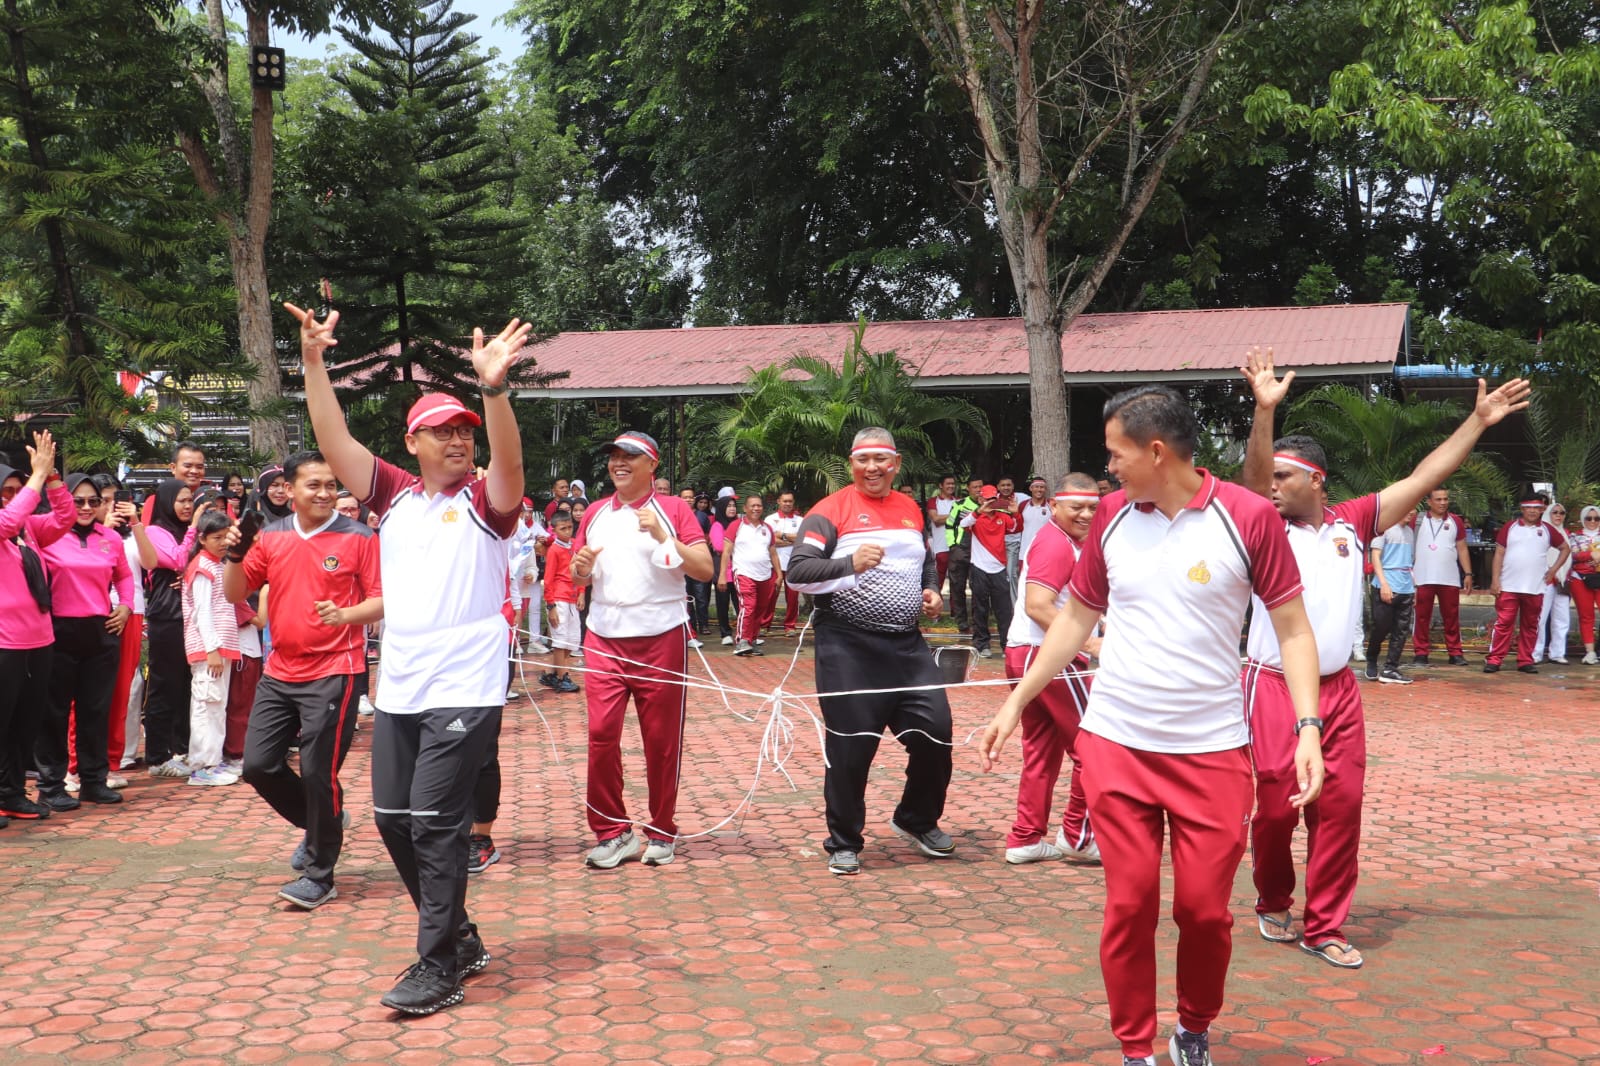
(1304, 722)
(494, 390)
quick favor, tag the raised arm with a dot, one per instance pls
(492, 362)
(1269, 391)
(1401, 498)
(352, 463)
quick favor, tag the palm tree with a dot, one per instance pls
(1567, 446)
(1373, 440)
(793, 426)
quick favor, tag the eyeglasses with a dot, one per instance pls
(88, 501)
(445, 434)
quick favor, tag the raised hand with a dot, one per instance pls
(42, 455)
(1508, 398)
(494, 360)
(1258, 371)
(315, 337)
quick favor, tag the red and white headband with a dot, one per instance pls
(1077, 497)
(873, 449)
(1295, 460)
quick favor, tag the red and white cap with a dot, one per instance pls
(634, 443)
(437, 409)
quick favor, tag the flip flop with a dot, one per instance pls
(1320, 950)
(1279, 932)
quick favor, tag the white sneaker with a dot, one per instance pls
(1357, 655)
(173, 767)
(727, 642)
(536, 647)
(611, 853)
(1561, 659)
(71, 783)
(511, 694)
(1038, 851)
(1591, 659)
(213, 776)
(1088, 856)
(660, 852)
(696, 642)
(116, 781)
(365, 708)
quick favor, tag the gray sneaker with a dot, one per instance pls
(302, 854)
(660, 852)
(609, 854)
(1189, 1049)
(173, 767)
(844, 863)
(307, 894)
(935, 843)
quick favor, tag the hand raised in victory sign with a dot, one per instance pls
(1263, 379)
(1509, 398)
(315, 337)
(493, 361)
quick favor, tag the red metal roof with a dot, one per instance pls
(1340, 339)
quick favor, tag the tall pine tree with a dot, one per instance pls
(416, 248)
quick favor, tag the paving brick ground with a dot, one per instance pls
(150, 933)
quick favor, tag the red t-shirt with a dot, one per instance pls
(338, 562)
(558, 586)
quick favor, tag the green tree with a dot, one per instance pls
(1373, 440)
(1079, 109)
(97, 226)
(795, 422)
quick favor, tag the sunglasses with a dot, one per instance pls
(88, 501)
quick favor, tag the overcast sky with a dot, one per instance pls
(504, 38)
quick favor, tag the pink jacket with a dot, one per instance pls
(22, 625)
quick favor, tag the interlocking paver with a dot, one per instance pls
(158, 927)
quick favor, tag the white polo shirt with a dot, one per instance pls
(1174, 592)
(1436, 562)
(1330, 560)
(443, 563)
(1034, 518)
(637, 587)
(790, 525)
(1048, 563)
(1523, 566)
(752, 549)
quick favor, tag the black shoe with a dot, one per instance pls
(934, 843)
(59, 801)
(308, 894)
(1458, 660)
(4, 821)
(1419, 660)
(1525, 668)
(24, 809)
(548, 680)
(1391, 675)
(481, 854)
(99, 794)
(471, 955)
(302, 852)
(423, 990)
(1491, 668)
(566, 684)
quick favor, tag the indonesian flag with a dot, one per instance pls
(816, 540)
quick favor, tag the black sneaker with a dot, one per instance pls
(23, 809)
(1391, 675)
(1525, 668)
(548, 679)
(423, 990)
(566, 684)
(1458, 660)
(471, 955)
(934, 843)
(60, 801)
(1419, 660)
(1371, 672)
(1491, 668)
(99, 794)
(4, 821)
(481, 853)
(308, 894)
(302, 854)
(1189, 1049)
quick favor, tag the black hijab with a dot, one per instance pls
(162, 514)
(32, 566)
(83, 531)
(265, 505)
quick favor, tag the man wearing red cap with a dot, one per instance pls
(992, 522)
(633, 551)
(443, 557)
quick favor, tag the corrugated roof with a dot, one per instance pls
(1343, 339)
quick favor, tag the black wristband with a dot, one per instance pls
(1304, 722)
(494, 390)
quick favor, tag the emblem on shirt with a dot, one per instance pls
(908, 523)
(451, 515)
(1199, 574)
(330, 563)
(1342, 546)
(863, 520)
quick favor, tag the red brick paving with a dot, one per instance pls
(150, 933)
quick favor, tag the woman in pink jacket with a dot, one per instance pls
(84, 566)
(25, 633)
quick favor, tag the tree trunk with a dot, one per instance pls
(269, 433)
